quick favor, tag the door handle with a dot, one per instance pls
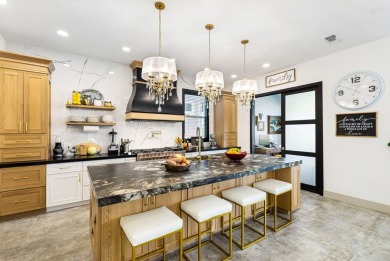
(20, 126)
(282, 148)
(20, 201)
(23, 154)
(21, 178)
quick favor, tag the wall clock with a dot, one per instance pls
(358, 89)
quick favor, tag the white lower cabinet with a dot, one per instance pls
(63, 184)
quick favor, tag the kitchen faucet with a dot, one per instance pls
(199, 143)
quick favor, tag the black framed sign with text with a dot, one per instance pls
(356, 124)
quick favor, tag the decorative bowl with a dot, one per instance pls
(177, 168)
(238, 156)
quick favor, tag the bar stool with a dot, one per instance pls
(205, 209)
(149, 226)
(275, 188)
(245, 196)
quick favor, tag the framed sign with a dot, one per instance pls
(260, 126)
(356, 124)
(280, 78)
(274, 124)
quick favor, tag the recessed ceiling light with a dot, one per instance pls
(62, 33)
(266, 65)
(126, 49)
(111, 72)
(233, 76)
(3, 2)
(66, 64)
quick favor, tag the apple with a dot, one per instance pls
(91, 150)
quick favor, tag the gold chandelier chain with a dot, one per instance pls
(159, 32)
(209, 49)
(245, 60)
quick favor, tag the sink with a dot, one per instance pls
(204, 157)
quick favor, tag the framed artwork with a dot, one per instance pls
(274, 124)
(260, 126)
(362, 124)
(280, 78)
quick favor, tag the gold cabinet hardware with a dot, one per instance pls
(23, 140)
(23, 154)
(153, 200)
(79, 176)
(21, 178)
(20, 126)
(146, 201)
(26, 126)
(20, 201)
(65, 167)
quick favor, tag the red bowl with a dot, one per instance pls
(239, 156)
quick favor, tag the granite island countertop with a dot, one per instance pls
(123, 182)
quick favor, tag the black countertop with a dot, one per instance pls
(72, 158)
(123, 182)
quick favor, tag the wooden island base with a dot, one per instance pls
(105, 230)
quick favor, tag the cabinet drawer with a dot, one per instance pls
(230, 135)
(22, 140)
(23, 154)
(22, 200)
(64, 167)
(100, 162)
(22, 177)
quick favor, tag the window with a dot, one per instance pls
(196, 115)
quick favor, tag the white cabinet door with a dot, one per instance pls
(63, 188)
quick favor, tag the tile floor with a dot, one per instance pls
(323, 229)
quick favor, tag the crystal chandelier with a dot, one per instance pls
(245, 89)
(209, 82)
(159, 72)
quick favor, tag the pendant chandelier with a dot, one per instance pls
(159, 72)
(245, 89)
(209, 83)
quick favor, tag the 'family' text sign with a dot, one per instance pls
(280, 78)
(356, 124)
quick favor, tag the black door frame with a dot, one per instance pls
(317, 87)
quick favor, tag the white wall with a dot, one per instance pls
(3, 43)
(86, 72)
(355, 167)
(268, 105)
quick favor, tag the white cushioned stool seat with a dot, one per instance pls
(273, 186)
(205, 207)
(146, 226)
(244, 195)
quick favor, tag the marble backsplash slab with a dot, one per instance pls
(114, 81)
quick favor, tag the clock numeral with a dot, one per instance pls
(355, 102)
(372, 88)
(355, 80)
(340, 93)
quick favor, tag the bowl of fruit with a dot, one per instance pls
(177, 163)
(235, 154)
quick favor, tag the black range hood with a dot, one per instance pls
(142, 107)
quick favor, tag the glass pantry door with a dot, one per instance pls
(302, 134)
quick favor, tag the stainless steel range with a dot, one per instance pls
(157, 153)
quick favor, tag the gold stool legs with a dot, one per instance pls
(275, 213)
(242, 244)
(229, 253)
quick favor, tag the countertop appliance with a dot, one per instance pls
(113, 148)
(213, 143)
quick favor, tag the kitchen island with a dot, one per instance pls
(123, 189)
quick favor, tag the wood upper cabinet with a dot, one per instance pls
(11, 101)
(36, 101)
(225, 121)
(24, 102)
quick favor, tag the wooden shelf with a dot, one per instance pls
(91, 123)
(91, 107)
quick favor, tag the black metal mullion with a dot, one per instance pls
(300, 153)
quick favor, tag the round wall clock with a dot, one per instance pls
(358, 89)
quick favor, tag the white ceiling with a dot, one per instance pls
(281, 32)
